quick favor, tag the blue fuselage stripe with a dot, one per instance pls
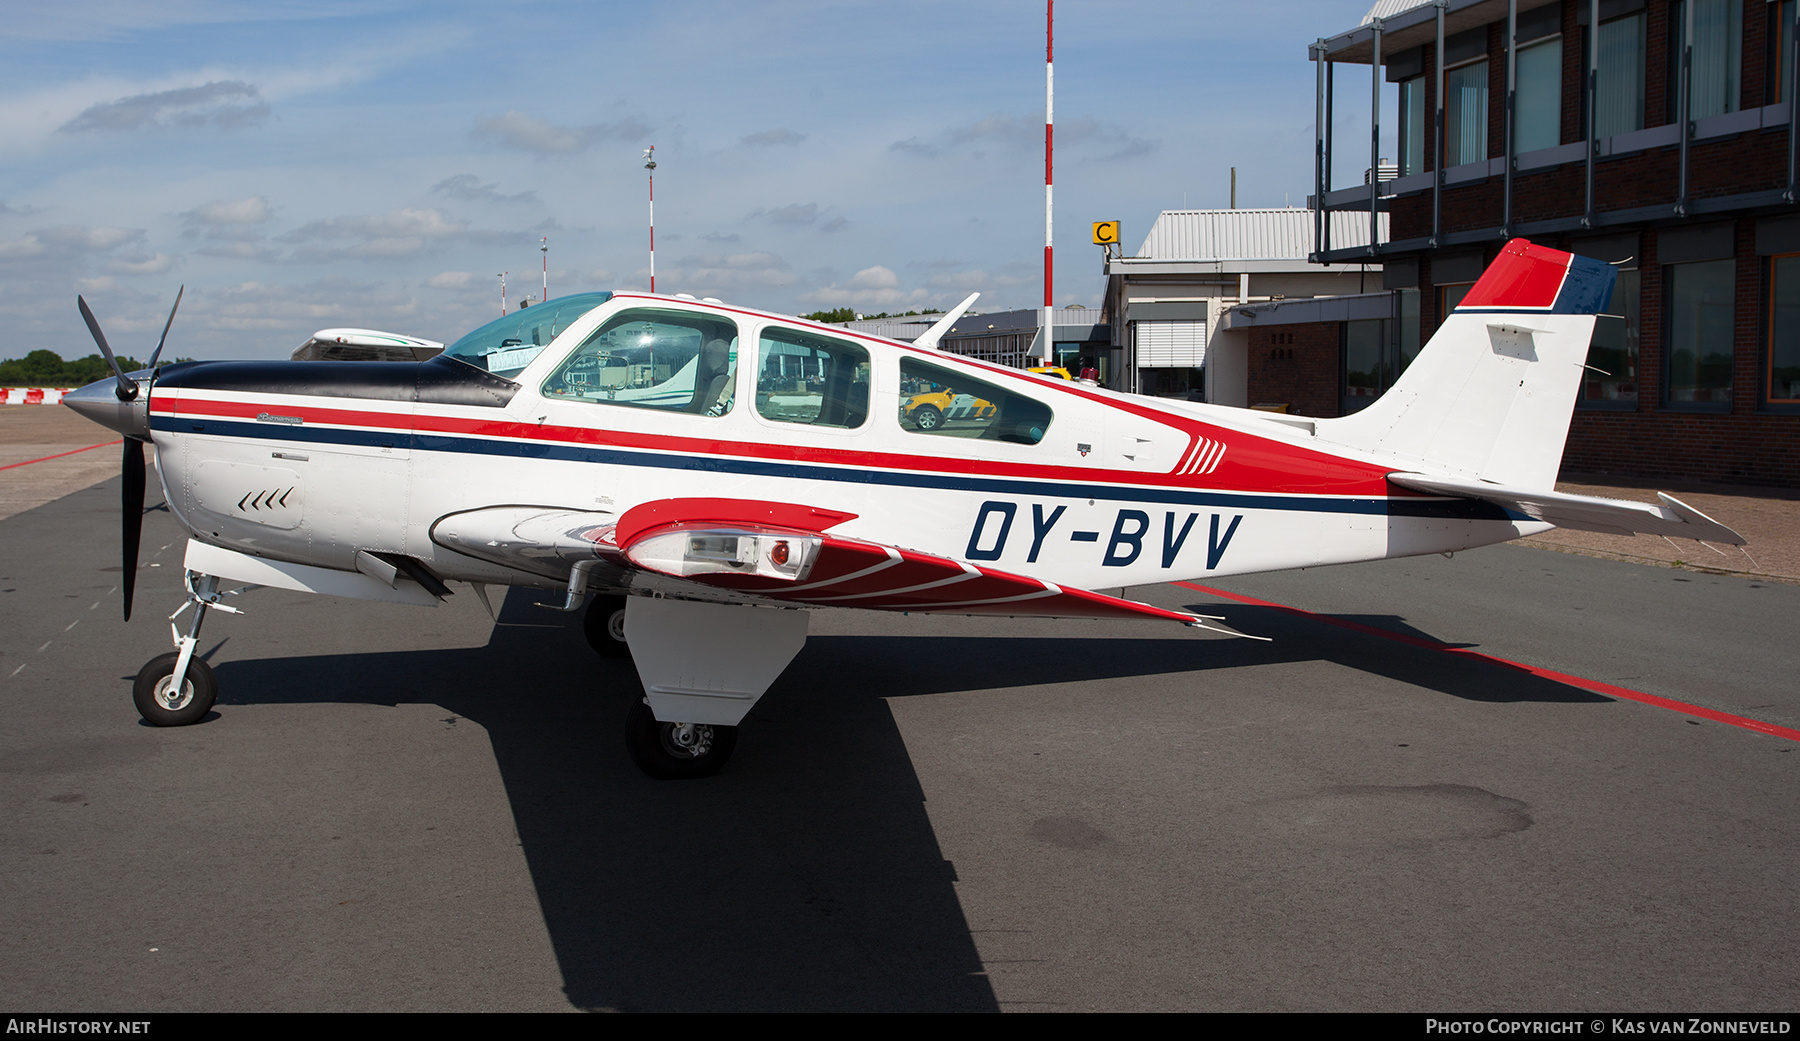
(1457, 509)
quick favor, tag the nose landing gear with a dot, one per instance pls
(176, 689)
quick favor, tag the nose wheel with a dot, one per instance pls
(162, 702)
(676, 751)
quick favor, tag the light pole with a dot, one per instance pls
(650, 165)
(502, 277)
(545, 250)
(1049, 147)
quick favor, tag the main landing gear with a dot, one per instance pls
(676, 751)
(665, 751)
(176, 689)
(604, 626)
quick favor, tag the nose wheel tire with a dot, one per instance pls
(161, 704)
(604, 626)
(676, 751)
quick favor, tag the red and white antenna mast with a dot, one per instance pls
(1049, 148)
(545, 250)
(1049, 348)
(502, 277)
(650, 165)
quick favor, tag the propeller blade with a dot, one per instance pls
(131, 509)
(127, 390)
(165, 336)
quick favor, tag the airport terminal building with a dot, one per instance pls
(1658, 136)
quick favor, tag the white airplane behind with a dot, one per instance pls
(701, 477)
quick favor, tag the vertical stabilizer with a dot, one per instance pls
(1490, 397)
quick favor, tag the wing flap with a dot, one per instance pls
(1674, 518)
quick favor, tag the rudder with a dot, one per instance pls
(1491, 396)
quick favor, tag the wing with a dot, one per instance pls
(761, 552)
(1674, 518)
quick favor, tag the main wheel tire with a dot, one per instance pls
(927, 417)
(157, 700)
(604, 625)
(676, 751)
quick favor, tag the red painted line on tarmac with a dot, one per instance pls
(59, 455)
(1596, 686)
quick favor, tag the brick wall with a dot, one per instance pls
(1298, 366)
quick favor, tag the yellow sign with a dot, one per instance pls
(1106, 232)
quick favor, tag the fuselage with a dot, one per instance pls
(312, 462)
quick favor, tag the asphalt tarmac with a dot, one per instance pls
(397, 808)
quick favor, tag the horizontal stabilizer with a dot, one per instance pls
(1674, 518)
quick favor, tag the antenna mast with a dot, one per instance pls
(1049, 151)
(650, 165)
(545, 250)
(502, 277)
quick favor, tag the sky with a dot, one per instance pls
(377, 164)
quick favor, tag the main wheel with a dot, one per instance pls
(676, 751)
(161, 704)
(604, 625)
(926, 417)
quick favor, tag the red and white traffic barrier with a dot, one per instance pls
(32, 395)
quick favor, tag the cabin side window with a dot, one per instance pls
(817, 380)
(944, 401)
(675, 361)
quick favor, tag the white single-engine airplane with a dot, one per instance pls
(701, 476)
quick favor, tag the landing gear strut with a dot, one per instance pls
(176, 689)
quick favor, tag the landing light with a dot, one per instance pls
(724, 552)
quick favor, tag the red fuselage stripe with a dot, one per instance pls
(1260, 465)
(1580, 682)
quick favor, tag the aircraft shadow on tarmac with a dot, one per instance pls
(1298, 638)
(818, 885)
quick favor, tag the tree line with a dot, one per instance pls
(47, 369)
(846, 314)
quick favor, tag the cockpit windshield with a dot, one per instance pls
(506, 345)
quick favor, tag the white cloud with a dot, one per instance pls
(720, 274)
(397, 233)
(778, 136)
(68, 239)
(871, 289)
(26, 246)
(449, 280)
(253, 210)
(224, 103)
(240, 250)
(154, 264)
(974, 279)
(528, 133)
(1082, 138)
(468, 187)
(791, 215)
(876, 277)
